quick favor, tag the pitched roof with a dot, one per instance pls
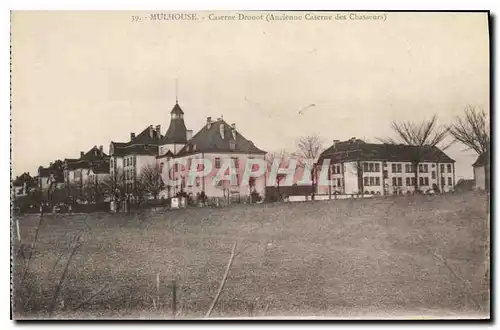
(210, 140)
(146, 143)
(22, 179)
(167, 154)
(482, 159)
(56, 171)
(465, 184)
(94, 154)
(176, 132)
(356, 149)
(177, 109)
(100, 167)
(148, 136)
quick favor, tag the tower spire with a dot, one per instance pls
(176, 90)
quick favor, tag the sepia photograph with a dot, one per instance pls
(251, 165)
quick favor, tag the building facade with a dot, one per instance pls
(76, 170)
(229, 154)
(173, 153)
(385, 169)
(481, 169)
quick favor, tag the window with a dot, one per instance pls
(365, 181)
(176, 167)
(397, 168)
(372, 181)
(198, 181)
(339, 183)
(236, 162)
(371, 167)
(421, 181)
(338, 169)
(386, 175)
(377, 181)
(407, 168)
(433, 174)
(426, 181)
(449, 168)
(232, 145)
(217, 162)
(413, 181)
(365, 167)
(442, 168)
(234, 179)
(423, 168)
(408, 181)
(377, 167)
(449, 182)
(397, 181)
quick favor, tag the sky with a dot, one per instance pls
(81, 79)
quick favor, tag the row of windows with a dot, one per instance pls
(336, 169)
(129, 161)
(422, 181)
(371, 167)
(371, 181)
(234, 160)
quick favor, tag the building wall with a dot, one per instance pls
(206, 183)
(399, 179)
(479, 178)
(115, 163)
(20, 190)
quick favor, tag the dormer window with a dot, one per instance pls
(232, 145)
(194, 147)
(221, 130)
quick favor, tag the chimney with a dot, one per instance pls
(335, 143)
(209, 122)
(81, 155)
(100, 149)
(132, 136)
(189, 134)
(221, 130)
(158, 130)
(151, 131)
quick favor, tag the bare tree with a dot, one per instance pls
(309, 149)
(472, 130)
(94, 190)
(150, 180)
(424, 137)
(114, 187)
(281, 157)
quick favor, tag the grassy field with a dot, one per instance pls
(410, 256)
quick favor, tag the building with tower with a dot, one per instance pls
(216, 142)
